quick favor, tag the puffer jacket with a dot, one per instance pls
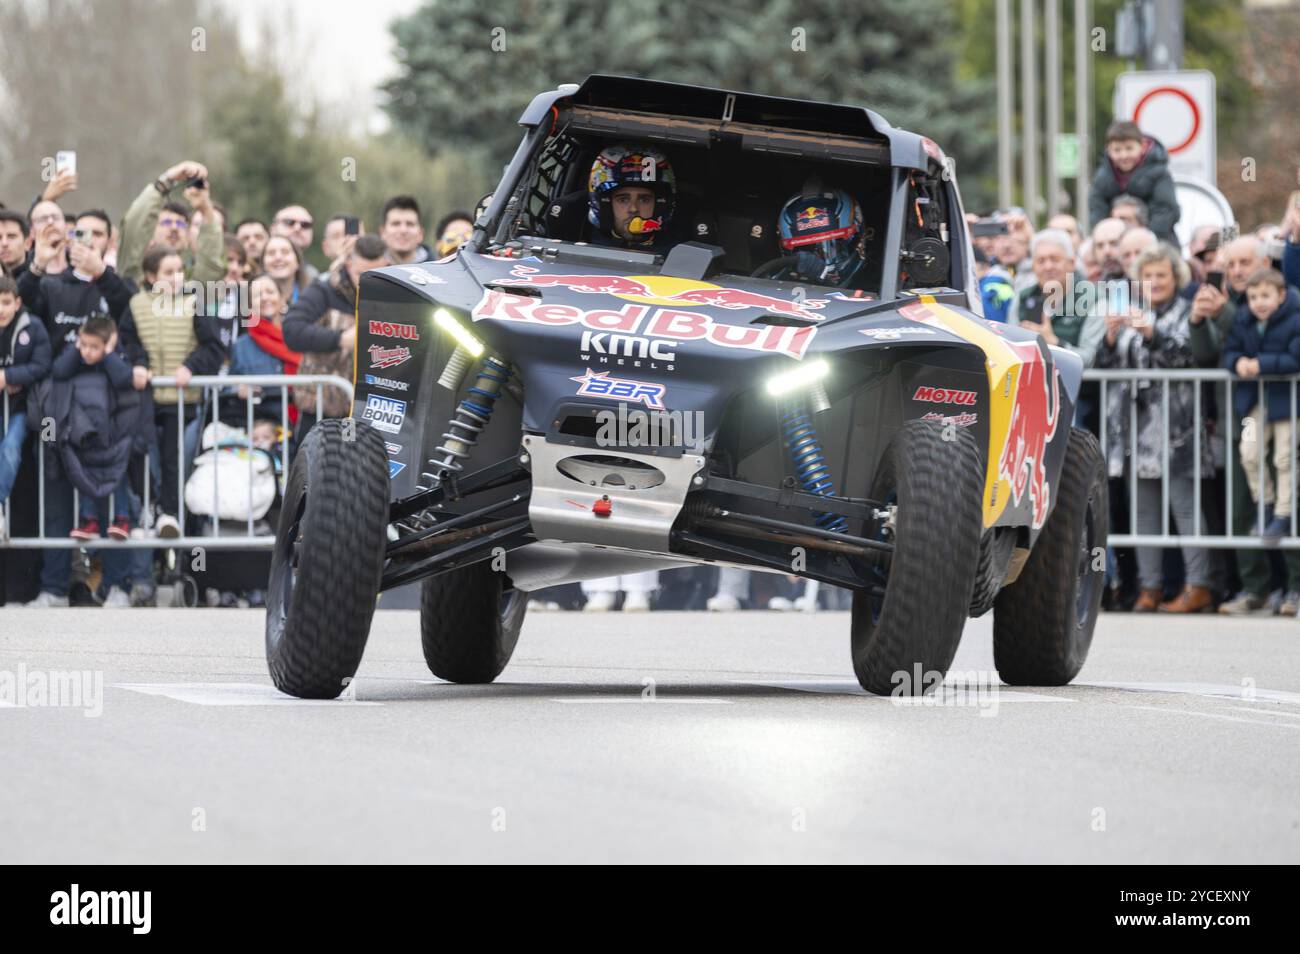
(169, 334)
(1278, 351)
(99, 420)
(1149, 181)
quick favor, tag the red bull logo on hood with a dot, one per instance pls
(665, 290)
(1035, 411)
(636, 319)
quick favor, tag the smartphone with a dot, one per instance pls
(82, 236)
(1215, 278)
(987, 228)
(196, 182)
(351, 225)
(65, 160)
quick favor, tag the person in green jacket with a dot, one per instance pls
(155, 219)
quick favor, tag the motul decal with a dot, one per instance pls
(388, 329)
(945, 396)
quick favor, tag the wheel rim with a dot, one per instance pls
(881, 575)
(510, 602)
(287, 563)
(1088, 577)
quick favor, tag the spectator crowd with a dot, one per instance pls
(102, 329)
(93, 314)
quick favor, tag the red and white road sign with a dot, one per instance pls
(1177, 108)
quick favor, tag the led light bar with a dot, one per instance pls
(445, 320)
(801, 377)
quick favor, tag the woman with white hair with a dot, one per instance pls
(1158, 337)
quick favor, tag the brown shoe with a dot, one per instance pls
(1193, 599)
(1148, 600)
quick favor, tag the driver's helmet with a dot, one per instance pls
(823, 230)
(620, 166)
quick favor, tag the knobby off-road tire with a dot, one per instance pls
(469, 623)
(1043, 622)
(328, 559)
(901, 640)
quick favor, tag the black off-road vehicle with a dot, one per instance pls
(879, 435)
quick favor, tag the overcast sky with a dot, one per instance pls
(344, 49)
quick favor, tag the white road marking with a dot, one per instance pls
(1206, 689)
(1212, 715)
(657, 700)
(954, 688)
(230, 694)
(1272, 712)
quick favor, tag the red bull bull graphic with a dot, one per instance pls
(1024, 407)
(737, 298)
(700, 293)
(645, 320)
(1035, 411)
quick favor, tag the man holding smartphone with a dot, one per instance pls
(1216, 302)
(155, 218)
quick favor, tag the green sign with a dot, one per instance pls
(1067, 155)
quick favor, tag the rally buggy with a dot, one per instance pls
(882, 437)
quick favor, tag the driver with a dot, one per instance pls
(630, 198)
(821, 234)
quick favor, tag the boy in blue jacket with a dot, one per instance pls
(1265, 340)
(24, 360)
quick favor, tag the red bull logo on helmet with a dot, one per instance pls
(1035, 411)
(812, 218)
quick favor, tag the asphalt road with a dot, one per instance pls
(651, 737)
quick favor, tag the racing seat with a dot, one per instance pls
(566, 216)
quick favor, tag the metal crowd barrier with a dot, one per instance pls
(1218, 378)
(213, 387)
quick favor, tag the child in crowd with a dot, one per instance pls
(94, 380)
(24, 360)
(1138, 165)
(174, 341)
(1265, 340)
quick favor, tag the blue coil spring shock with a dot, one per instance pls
(470, 419)
(809, 462)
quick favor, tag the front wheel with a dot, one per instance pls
(469, 623)
(904, 641)
(328, 559)
(1043, 622)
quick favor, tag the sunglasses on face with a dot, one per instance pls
(295, 223)
(173, 223)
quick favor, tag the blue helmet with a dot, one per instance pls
(824, 231)
(618, 167)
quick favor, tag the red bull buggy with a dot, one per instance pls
(695, 326)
